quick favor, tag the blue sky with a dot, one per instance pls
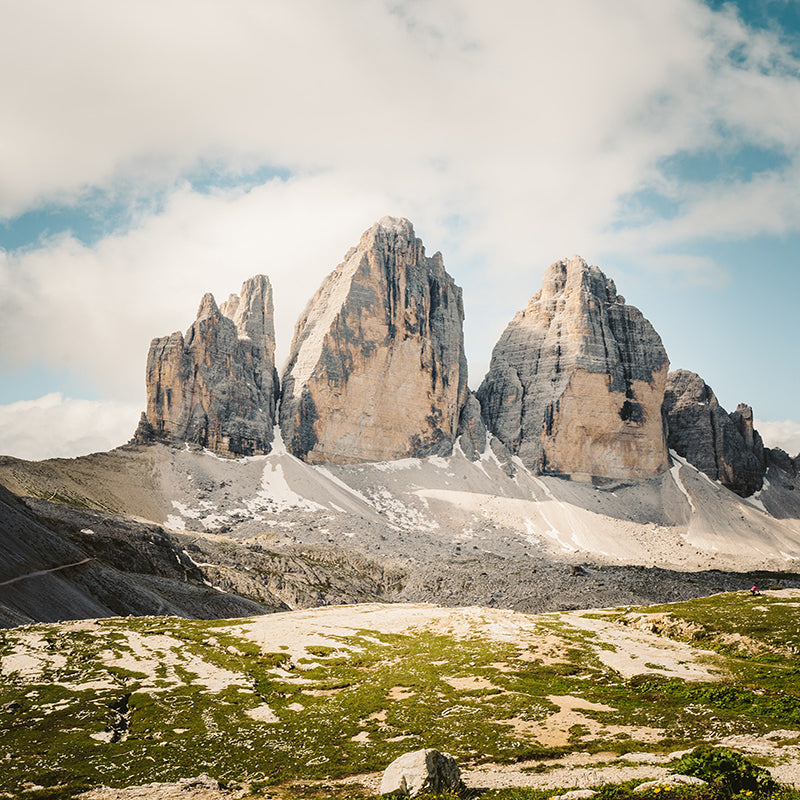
(150, 154)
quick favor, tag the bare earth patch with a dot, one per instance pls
(555, 730)
(469, 684)
(631, 651)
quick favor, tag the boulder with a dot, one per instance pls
(576, 381)
(724, 446)
(422, 771)
(377, 369)
(217, 386)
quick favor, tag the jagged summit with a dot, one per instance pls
(576, 381)
(399, 225)
(377, 368)
(576, 386)
(217, 386)
(723, 446)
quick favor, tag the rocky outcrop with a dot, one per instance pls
(377, 369)
(724, 446)
(217, 386)
(577, 379)
(471, 430)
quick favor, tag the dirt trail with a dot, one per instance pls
(45, 571)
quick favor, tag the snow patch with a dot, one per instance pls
(530, 532)
(755, 498)
(278, 446)
(756, 502)
(175, 523)
(277, 492)
(396, 466)
(340, 483)
(213, 522)
(399, 514)
(553, 532)
(185, 511)
(676, 476)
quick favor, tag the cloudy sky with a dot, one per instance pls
(155, 150)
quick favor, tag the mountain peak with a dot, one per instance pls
(217, 387)
(577, 379)
(377, 368)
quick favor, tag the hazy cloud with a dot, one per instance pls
(785, 435)
(94, 309)
(54, 426)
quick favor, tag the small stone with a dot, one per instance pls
(422, 771)
(671, 780)
(575, 794)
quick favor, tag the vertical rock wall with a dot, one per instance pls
(577, 379)
(217, 386)
(377, 368)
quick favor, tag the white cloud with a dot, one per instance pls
(508, 132)
(95, 309)
(519, 106)
(54, 426)
(785, 435)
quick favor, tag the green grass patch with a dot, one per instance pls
(355, 706)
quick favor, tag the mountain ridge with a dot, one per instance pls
(576, 497)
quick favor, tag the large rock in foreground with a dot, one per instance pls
(377, 368)
(217, 386)
(426, 771)
(726, 447)
(577, 379)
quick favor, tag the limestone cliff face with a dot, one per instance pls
(577, 379)
(217, 386)
(724, 446)
(376, 368)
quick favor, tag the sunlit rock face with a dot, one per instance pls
(217, 386)
(576, 381)
(377, 369)
(726, 447)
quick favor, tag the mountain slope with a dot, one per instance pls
(53, 571)
(274, 532)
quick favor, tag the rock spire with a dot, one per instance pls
(726, 447)
(217, 386)
(377, 369)
(577, 379)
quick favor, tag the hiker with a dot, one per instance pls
(754, 590)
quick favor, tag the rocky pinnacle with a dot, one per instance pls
(577, 379)
(377, 369)
(217, 386)
(726, 447)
